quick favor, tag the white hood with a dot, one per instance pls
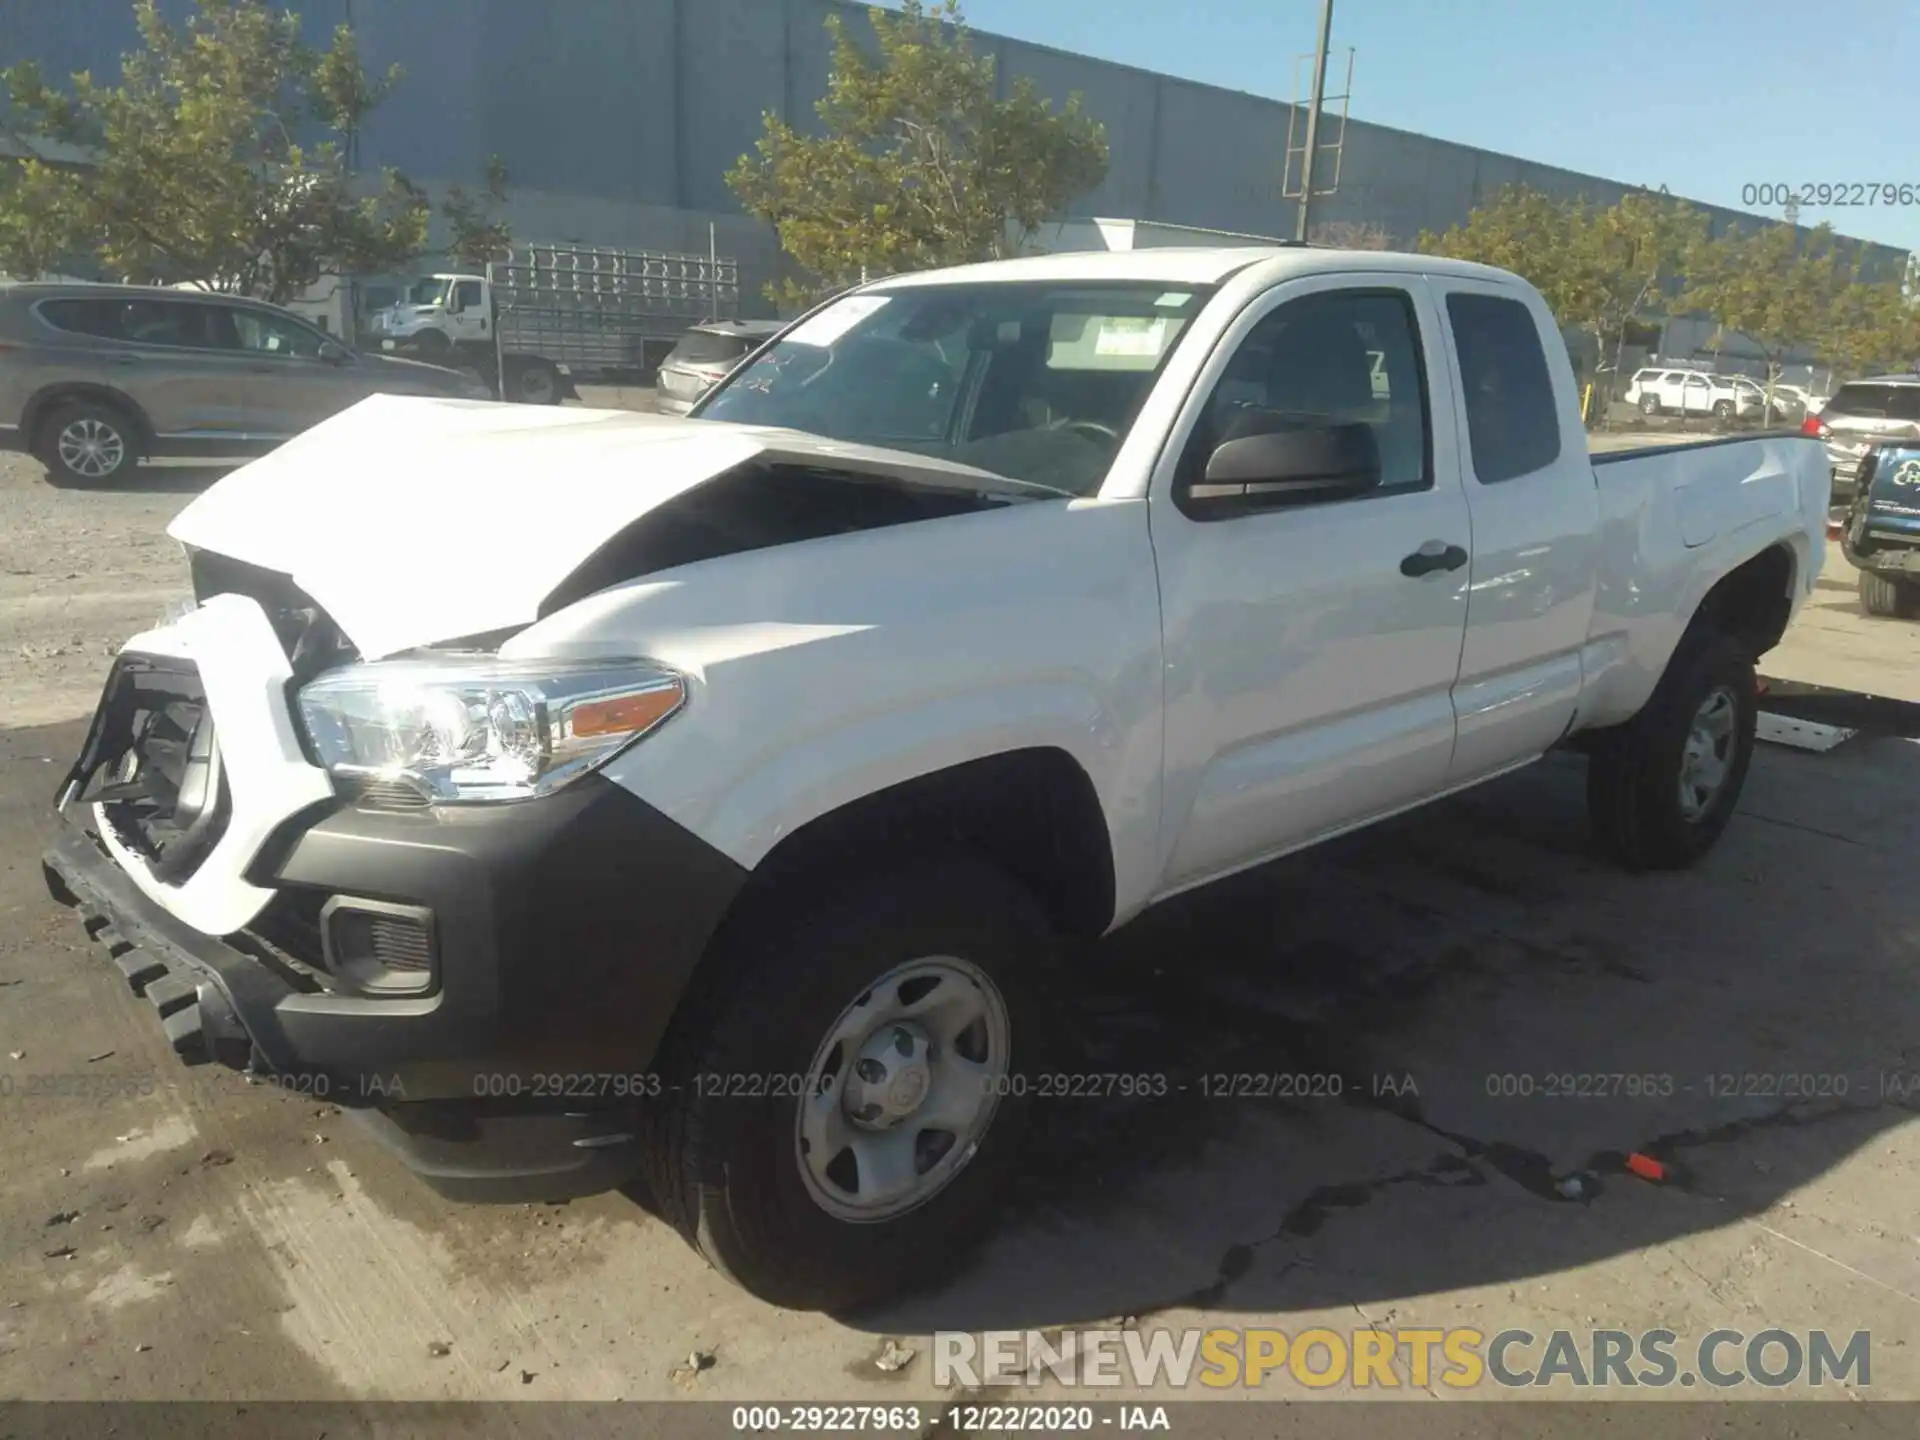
(413, 521)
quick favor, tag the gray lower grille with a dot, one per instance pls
(383, 794)
(400, 943)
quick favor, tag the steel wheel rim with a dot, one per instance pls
(902, 1090)
(1706, 759)
(91, 448)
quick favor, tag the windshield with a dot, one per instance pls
(1037, 382)
(426, 292)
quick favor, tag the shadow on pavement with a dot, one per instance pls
(162, 479)
(1416, 1060)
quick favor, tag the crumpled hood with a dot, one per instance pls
(414, 521)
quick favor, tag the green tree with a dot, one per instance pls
(477, 233)
(1781, 290)
(220, 157)
(918, 163)
(1601, 269)
(1628, 260)
(1520, 230)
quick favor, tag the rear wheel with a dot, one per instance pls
(1884, 595)
(1662, 787)
(1649, 404)
(1723, 409)
(88, 442)
(844, 1099)
(536, 384)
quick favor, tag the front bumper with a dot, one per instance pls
(565, 931)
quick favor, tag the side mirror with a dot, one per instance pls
(1304, 464)
(335, 353)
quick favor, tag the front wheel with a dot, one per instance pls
(1662, 787)
(845, 1096)
(1884, 595)
(88, 443)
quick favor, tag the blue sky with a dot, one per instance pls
(1702, 98)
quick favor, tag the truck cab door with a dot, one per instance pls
(467, 312)
(1310, 648)
(1531, 491)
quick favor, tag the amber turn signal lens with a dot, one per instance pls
(624, 714)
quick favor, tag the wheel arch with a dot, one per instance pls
(1753, 601)
(1033, 812)
(48, 399)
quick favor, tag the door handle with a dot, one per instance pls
(1432, 556)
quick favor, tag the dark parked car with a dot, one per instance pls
(95, 377)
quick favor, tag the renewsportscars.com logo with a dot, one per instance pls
(1373, 1359)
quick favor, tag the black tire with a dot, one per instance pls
(1634, 771)
(725, 1168)
(430, 342)
(535, 384)
(1884, 595)
(1723, 409)
(88, 442)
(1649, 404)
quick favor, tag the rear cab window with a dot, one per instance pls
(1513, 424)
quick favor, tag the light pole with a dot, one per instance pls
(1313, 119)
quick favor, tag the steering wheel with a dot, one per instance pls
(1091, 428)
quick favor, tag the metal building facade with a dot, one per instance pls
(617, 119)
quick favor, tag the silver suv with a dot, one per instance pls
(1861, 414)
(703, 358)
(94, 377)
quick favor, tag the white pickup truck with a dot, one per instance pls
(575, 793)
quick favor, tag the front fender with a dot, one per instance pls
(895, 654)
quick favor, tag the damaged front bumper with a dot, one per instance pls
(542, 944)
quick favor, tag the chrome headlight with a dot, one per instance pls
(465, 729)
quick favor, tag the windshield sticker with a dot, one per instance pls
(1173, 300)
(836, 320)
(1131, 335)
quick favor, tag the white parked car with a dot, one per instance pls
(1694, 392)
(1644, 380)
(714, 818)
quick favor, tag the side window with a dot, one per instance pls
(264, 334)
(1513, 425)
(1343, 356)
(176, 323)
(466, 295)
(99, 318)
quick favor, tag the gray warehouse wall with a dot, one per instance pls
(617, 119)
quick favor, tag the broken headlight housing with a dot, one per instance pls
(464, 729)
